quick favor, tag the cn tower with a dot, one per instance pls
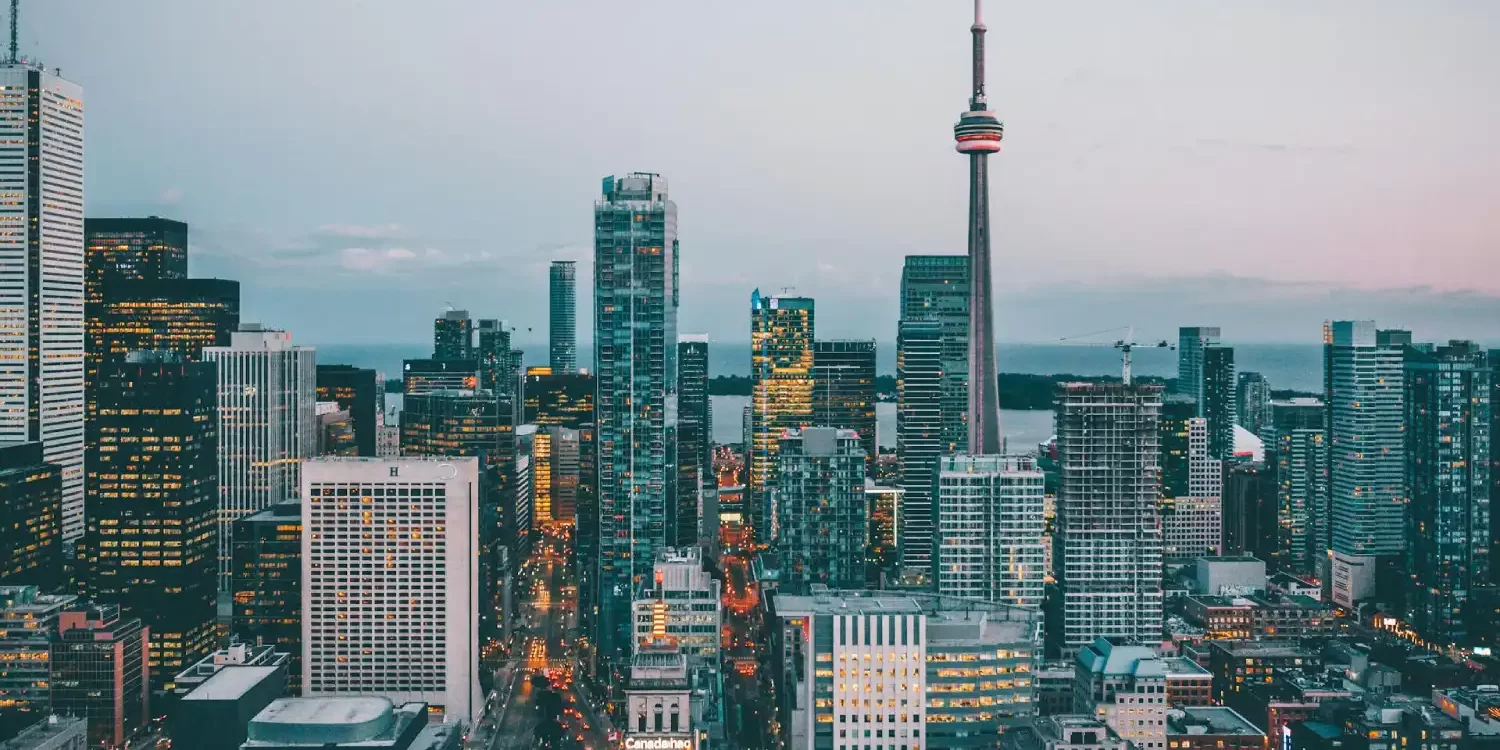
(978, 134)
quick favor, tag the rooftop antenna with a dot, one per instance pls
(15, 47)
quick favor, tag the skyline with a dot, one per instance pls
(1124, 126)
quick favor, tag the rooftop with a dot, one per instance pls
(1105, 656)
(1260, 648)
(825, 601)
(331, 721)
(1217, 720)
(1182, 666)
(49, 728)
(229, 683)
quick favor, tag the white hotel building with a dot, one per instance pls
(390, 556)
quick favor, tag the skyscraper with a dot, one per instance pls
(392, 616)
(1191, 341)
(1219, 403)
(1448, 452)
(820, 494)
(1366, 455)
(357, 390)
(987, 541)
(635, 361)
(1249, 510)
(1297, 456)
(1177, 411)
(844, 391)
(1108, 543)
(175, 315)
(267, 424)
(563, 400)
(428, 375)
(919, 434)
(1254, 394)
(499, 365)
(1192, 523)
(978, 135)
(153, 500)
(935, 288)
(30, 516)
(267, 583)
(695, 466)
(41, 252)
(453, 336)
(562, 327)
(144, 249)
(781, 395)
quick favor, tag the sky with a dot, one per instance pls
(361, 164)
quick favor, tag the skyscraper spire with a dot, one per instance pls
(978, 134)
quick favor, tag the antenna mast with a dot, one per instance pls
(15, 47)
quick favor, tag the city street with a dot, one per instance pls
(748, 714)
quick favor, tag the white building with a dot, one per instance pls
(390, 556)
(658, 700)
(41, 273)
(1193, 526)
(682, 605)
(1126, 688)
(267, 424)
(988, 529)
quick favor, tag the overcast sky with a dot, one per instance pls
(359, 163)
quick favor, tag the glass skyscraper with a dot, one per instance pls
(781, 394)
(936, 288)
(844, 391)
(1297, 455)
(562, 325)
(136, 249)
(635, 361)
(1219, 404)
(919, 433)
(820, 492)
(453, 336)
(695, 466)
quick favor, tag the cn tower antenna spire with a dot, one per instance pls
(976, 101)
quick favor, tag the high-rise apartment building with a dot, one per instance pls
(392, 616)
(1219, 403)
(1250, 510)
(357, 390)
(42, 281)
(1297, 455)
(781, 395)
(1192, 523)
(1448, 405)
(562, 325)
(1177, 410)
(132, 249)
(919, 433)
(267, 584)
(1108, 542)
(153, 498)
(820, 493)
(499, 365)
(453, 336)
(1366, 454)
(695, 443)
(1254, 394)
(267, 424)
(30, 516)
(935, 289)
(635, 361)
(1191, 341)
(844, 391)
(987, 542)
(100, 671)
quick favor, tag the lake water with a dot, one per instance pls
(1023, 430)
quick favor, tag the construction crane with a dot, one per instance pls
(1125, 345)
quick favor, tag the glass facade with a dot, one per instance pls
(564, 400)
(1219, 402)
(919, 433)
(266, 581)
(781, 395)
(562, 321)
(935, 288)
(30, 516)
(820, 494)
(844, 391)
(148, 249)
(453, 336)
(1297, 455)
(358, 391)
(99, 672)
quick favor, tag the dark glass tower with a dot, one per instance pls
(141, 249)
(562, 325)
(1176, 411)
(844, 391)
(935, 288)
(152, 536)
(978, 135)
(1296, 456)
(694, 436)
(30, 517)
(562, 400)
(499, 364)
(266, 578)
(453, 336)
(356, 390)
(176, 315)
(781, 394)
(1219, 402)
(919, 428)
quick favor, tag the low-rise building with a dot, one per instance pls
(658, 698)
(1124, 686)
(348, 723)
(1054, 688)
(1477, 708)
(1235, 664)
(1231, 574)
(51, 733)
(1290, 585)
(1211, 728)
(1187, 683)
(1255, 616)
(1402, 722)
(1289, 698)
(213, 715)
(236, 655)
(1078, 732)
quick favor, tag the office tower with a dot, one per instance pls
(1177, 411)
(987, 541)
(392, 616)
(1219, 403)
(30, 516)
(695, 443)
(781, 395)
(844, 391)
(28, 625)
(41, 250)
(1250, 510)
(1192, 524)
(562, 328)
(555, 399)
(820, 493)
(153, 499)
(919, 433)
(883, 537)
(1191, 342)
(499, 365)
(1366, 455)
(358, 391)
(478, 425)
(267, 424)
(453, 336)
(935, 289)
(1108, 544)
(267, 583)
(100, 671)
(137, 249)
(635, 361)
(335, 432)
(1448, 453)
(1254, 394)
(420, 376)
(564, 470)
(1297, 456)
(682, 603)
(175, 315)
(944, 705)
(978, 133)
